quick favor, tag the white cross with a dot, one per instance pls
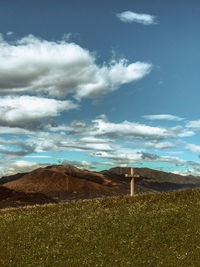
(132, 176)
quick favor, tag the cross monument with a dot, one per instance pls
(132, 176)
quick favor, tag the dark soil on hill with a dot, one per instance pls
(11, 198)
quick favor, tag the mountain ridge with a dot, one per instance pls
(64, 183)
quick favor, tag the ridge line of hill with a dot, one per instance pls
(64, 183)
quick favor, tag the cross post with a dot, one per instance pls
(132, 185)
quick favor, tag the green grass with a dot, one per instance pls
(148, 230)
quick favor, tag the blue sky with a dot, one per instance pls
(99, 84)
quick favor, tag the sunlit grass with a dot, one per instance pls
(148, 230)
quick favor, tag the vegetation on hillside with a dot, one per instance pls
(147, 230)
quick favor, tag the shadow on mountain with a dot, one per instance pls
(10, 178)
(146, 187)
(11, 198)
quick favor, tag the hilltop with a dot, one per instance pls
(63, 183)
(146, 230)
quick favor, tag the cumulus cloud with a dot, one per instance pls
(163, 117)
(129, 16)
(60, 68)
(28, 111)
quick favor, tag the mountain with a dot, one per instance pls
(12, 198)
(62, 183)
(65, 182)
(154, 181)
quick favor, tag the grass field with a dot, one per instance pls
(147, 230)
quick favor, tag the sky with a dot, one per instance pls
(100, 84)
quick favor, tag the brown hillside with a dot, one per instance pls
(66, 182)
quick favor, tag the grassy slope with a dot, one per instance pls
(148, 230)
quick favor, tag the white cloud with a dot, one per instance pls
(186, 133)
(121, 156)
(38, 156)
(192, 171)
(103, 163)
(19, 166)
(160, 145)
(80, 145)
(28, 111)
(78, 164)
(162, 117)
(193, 148)
(14, 130)
(129, 16)
(23, 163)
(9, 33)
(194, 125)
(128, 156)
(61, 68)
(56, 142)
(91, 140)
(129, 130)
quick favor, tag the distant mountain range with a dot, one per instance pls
(58, 183)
